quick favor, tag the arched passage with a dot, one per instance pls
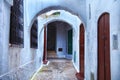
(67, 18)
(104, 47)
(57, 40)
(80, 75)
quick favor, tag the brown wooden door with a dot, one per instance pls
(80, 75)
(45, 47)
(104, 48)
(81, 50)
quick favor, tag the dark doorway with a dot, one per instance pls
(59, 40)
(104, 48)
(51, 40)
(51, 37)
(80, 75)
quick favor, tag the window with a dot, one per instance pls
(16, 24)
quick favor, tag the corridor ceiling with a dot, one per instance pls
(35, 7)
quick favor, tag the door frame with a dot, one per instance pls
(70, 42)
(45, 46)
(81, 74)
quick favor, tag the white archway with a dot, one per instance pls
(67, 17)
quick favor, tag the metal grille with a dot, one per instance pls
(16, 24)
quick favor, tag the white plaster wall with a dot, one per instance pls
(9, 2)
(115, 54)
(72, 20)
(61, 40)
(15, 62)
(4, 35)
(31, 7)
(1, 46)
(97, 8)
(26, 55)
(25, 60)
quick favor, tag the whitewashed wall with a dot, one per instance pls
(4, 35)
(61, 40)
(32, 7)
(20, 61)
(97, 8)
(15, 62)
(9, 2)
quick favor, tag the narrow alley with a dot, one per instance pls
(56, 69)
(59, 39)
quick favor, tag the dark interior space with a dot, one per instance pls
(51, 37)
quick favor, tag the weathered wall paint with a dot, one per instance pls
(4, 35)
(33, 7)
(27, 61)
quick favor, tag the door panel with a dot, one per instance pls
(82, 49)
(107, 48)
(104, 48)
(101, 49)
(80, 75)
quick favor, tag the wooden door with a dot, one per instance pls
(45, 47)
(81, 50)
(80, 75)
(104, 48)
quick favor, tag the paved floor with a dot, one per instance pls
(51, 54)
(57, 69)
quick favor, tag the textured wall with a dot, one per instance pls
(15, 63)
(1, 35)
(4, 36)
(9, 1)
(94, 10)
(61, 40)
(34, 7)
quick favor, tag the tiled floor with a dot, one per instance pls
(57, 69)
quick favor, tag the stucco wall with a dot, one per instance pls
(4, 35)
(94, 10)
(9, 2)
(61, 40)
(34, 7)
(15, 63)
(1, 35)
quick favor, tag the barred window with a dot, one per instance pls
(34, 36)
(16, 24)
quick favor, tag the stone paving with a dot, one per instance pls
(57, 69)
